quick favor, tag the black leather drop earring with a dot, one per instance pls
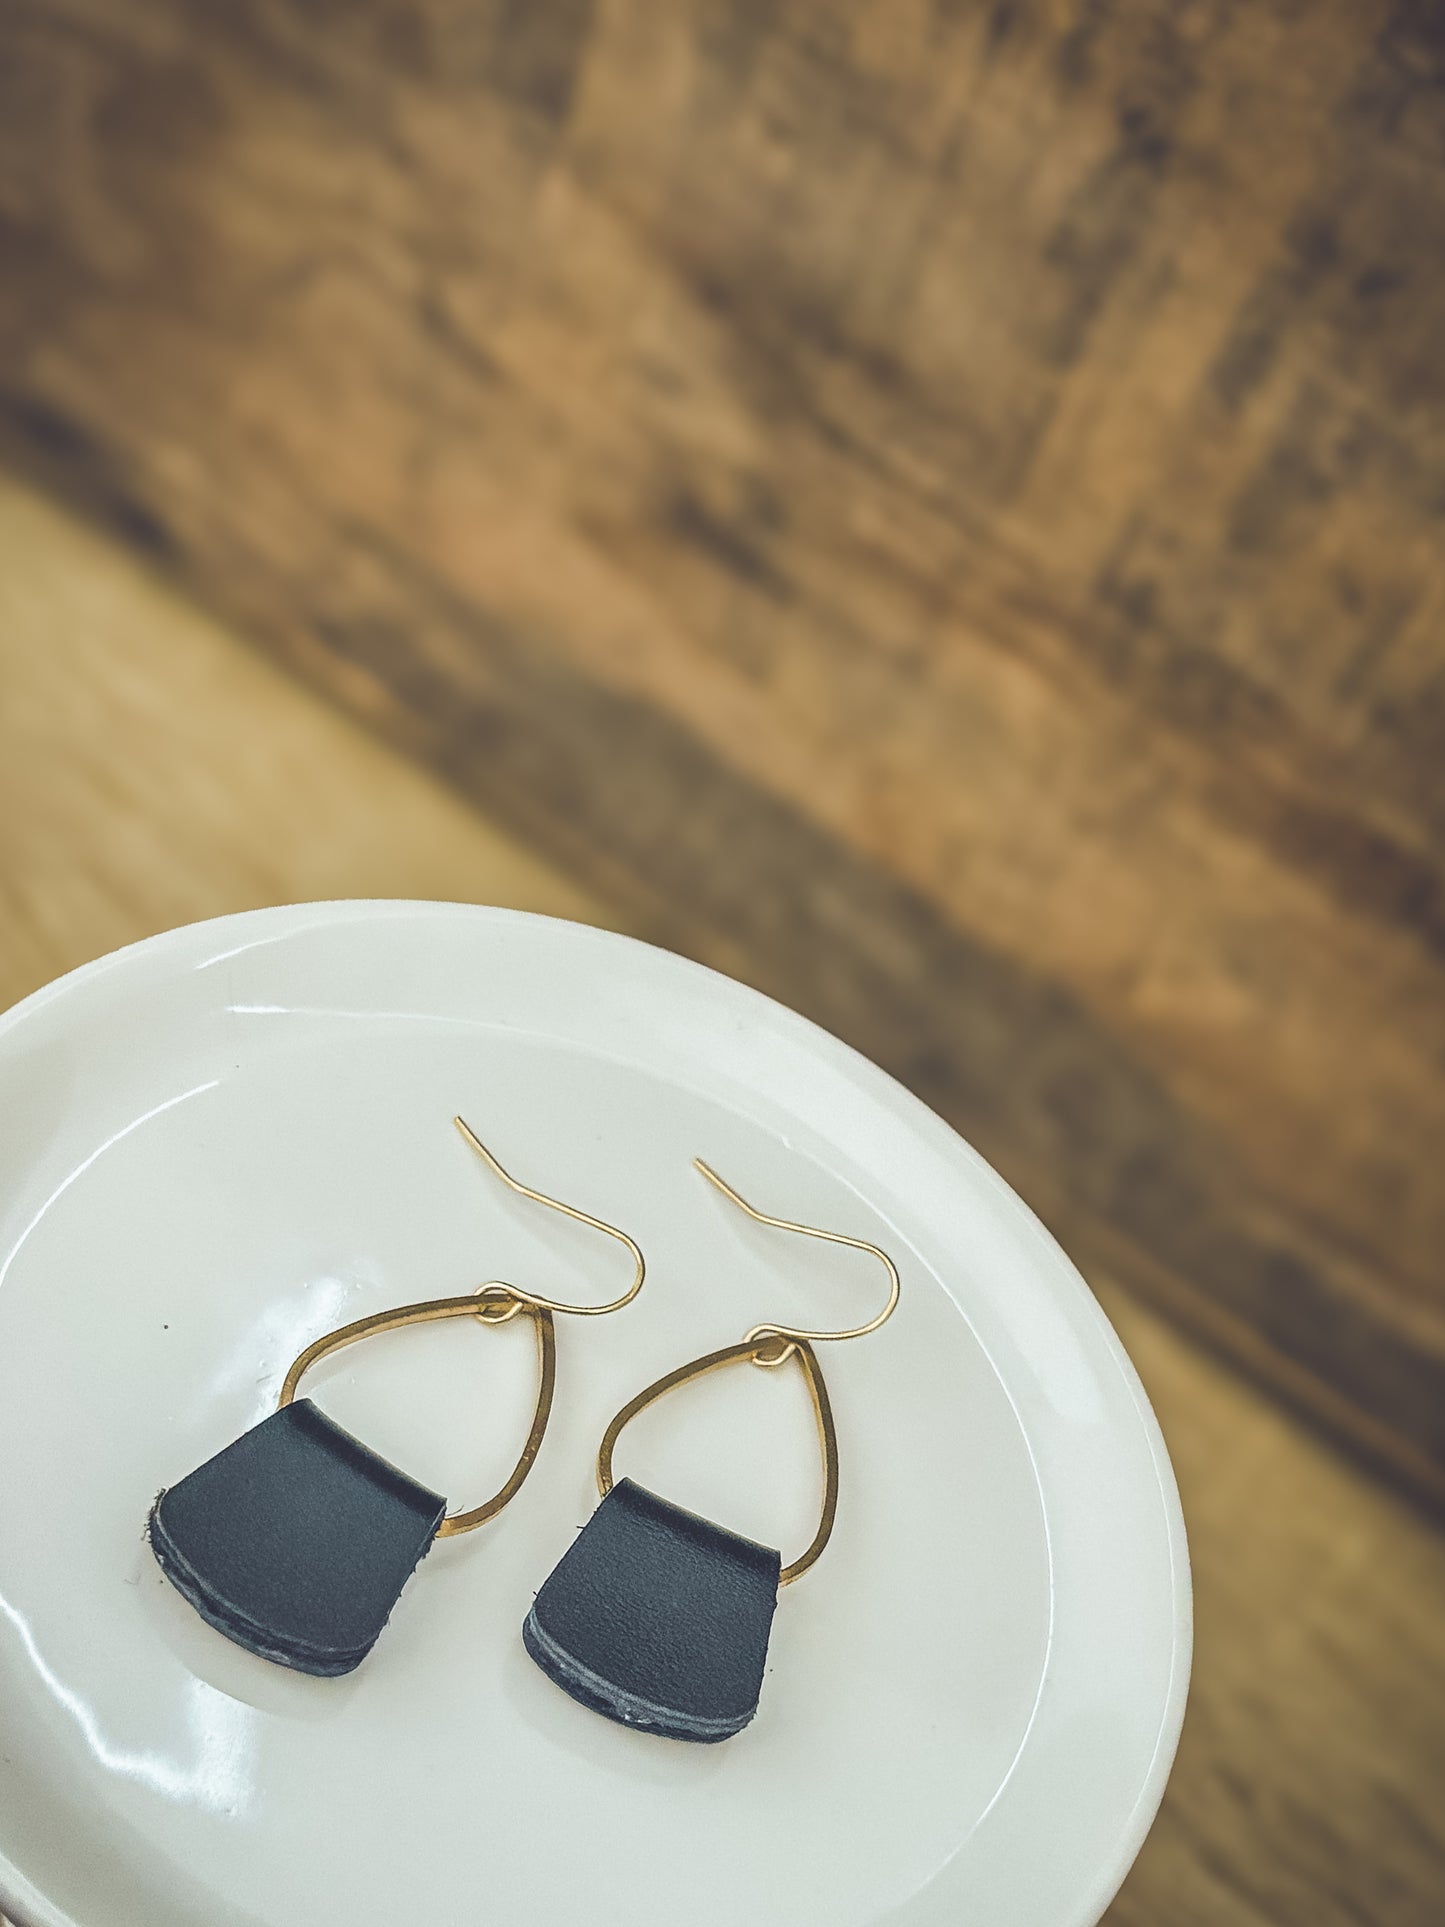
(656, 1618)
(295, 1541)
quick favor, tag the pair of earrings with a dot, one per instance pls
(296, 1540)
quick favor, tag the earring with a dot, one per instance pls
(656, 1618)
(296, 1540)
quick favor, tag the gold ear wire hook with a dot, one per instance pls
(791, 1336)
(518, 1297)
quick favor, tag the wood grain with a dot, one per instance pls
(153, 770)
(935, 508)
(1310, 1782)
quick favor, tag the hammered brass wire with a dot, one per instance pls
(715, 1361)
(427, 1313)
(500, 1303)
(770, 1346)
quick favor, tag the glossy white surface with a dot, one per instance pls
(220, 1143)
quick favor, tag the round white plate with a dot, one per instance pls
(222, 1142)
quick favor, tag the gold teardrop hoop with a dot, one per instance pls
(771, 1349)
(771, 1346)
(428, 1313)
(491, 1304)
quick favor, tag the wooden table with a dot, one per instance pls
(934, 505)
(154, 770)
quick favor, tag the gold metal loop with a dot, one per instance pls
(795, 1346)
(424, 1314)
(793, 1335)
(528, 1298)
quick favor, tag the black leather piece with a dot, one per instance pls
(295, 1541)
(658, 1619)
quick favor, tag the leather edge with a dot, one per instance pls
(589, 1689)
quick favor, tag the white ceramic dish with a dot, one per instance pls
(221, 1142)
